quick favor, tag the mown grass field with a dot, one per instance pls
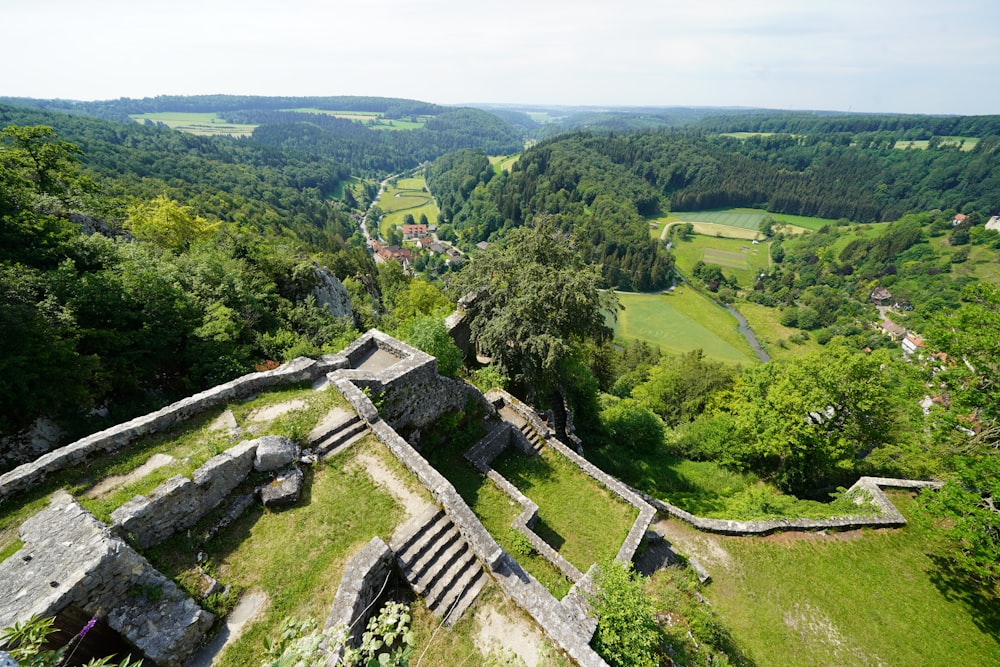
(751, 219)
(869, 597)
(739, 258)
(577, 517)
(682, 321)
(503, 162)
(772, 334)
(373, 119)
(207, 124)
(408, 195)
(964, 143)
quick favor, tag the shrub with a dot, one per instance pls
(627, 633)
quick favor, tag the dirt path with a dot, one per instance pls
(250, 606)
(499, 631)
(411, 501)
(109, 483)
(270, 412)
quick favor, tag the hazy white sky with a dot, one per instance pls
(927, 56)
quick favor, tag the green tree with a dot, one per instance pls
(530, 299)
(627, 633)
(168, 224)
(428, 333)
(633, 425)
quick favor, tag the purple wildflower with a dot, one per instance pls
(87, 628)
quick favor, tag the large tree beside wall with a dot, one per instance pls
(530, 300)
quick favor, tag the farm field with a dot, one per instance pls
(739, 258)
(682, 321)
(408, 195)
(869, 597)
(770, 333)
(373, 119)
(964, 143)
(751, 218)
(503, 162)
(206, 124)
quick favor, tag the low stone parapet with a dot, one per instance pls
(298, 370)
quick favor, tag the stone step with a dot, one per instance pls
(467, 597)
(438, 564)
(409, 531)
(423, 539)
(426, 574)
(459, 596)
(442, 544)
(337, 442)
(440, 585)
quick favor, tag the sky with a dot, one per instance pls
(912, 56)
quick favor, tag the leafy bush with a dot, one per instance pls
(630, 423)
(627, 633)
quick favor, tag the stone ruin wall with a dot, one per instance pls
(111, 439)
(70, 558)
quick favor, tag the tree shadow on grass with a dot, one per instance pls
(958, 586)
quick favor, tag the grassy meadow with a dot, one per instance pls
(207, 124)
(373, 119)
(963, 143)
(681, 321)
(408, 195)
(561, 489)
(739, 258)
(503, 162)
(868, 597)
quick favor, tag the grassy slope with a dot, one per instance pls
(769, 331)
(682, 321)
(864, 598)
(409, 195)
(576, 515)
(196, 123)
(699, 248)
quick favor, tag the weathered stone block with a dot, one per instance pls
(274, 453)
(285, 489)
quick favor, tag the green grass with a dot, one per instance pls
(865, 598)
(682, 321)
(707, 489)
(504, 162)
(737, 257)
(771, 333)
(407, 196)
(196, 123)
(964, 143)
(191, 443)
(376, 120)
(751, 218)
(342, 511)
(577, 517)
(444, 448)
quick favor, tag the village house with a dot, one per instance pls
(958, 219)
(396, 253)
(912, 343)
(993, 223)
(414, 231)
(892, 330)
(482, 245)
(425, 242)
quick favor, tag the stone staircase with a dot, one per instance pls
(535, 441)
(336, 431)
(438, 564)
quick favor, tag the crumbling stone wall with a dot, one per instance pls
(70, 558)
(179, 503)
(298, 370)
(361, 586)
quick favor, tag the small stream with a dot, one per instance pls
(747, 332)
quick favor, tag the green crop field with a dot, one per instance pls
(751, 218)
(682, 321)
(409, 195)
(739, 258)
(373, 119)
(503, 162)
(964, 143)
(207, 124)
